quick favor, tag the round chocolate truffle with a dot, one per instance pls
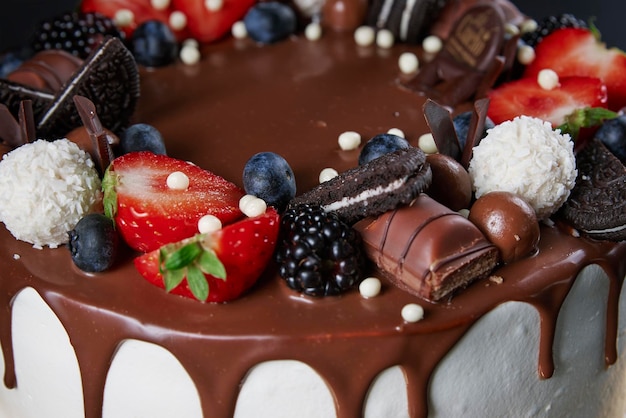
(451, 185)
(509, 222)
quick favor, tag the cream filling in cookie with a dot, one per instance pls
(366, 194)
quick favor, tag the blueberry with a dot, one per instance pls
(268, 176)
(270, 22)
(153, 44)
(93, 243)
(141, 137)
(612, 133)
(461, 126)
(380, 145)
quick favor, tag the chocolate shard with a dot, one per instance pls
(10, 131)
(26, 120)
(597, 204)
(109, 78)
(412, 246)
(100, 149)
(439, 120)
(476, 129)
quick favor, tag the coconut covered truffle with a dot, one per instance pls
(526, 157)
(46, 187)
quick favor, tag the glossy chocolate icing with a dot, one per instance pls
(294, 98)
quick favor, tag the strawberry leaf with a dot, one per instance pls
(585, 118)
(172, 278)
(182, 257)
(198, 283)
(209, 263)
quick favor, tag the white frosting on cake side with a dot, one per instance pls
(492, 371)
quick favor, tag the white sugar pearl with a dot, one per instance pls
(511, 29)
(313, 31)
(189, 54)
(548, 79)
(385, 38)
(370, 287)
(209, 223)
(408, 63)
(349, 140)
(177, 181)
(526, 54)
(364, 36)
(426, 143)
(244, 201)
(214, 5)
(254, 207)
(191, 42)
(396, 132)
(327, 174)
(178, 20)
(412, 312)
(432, 44)
(124, 18)
(160, 4)
(528, 25)
(238, 30)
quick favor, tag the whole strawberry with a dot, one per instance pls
(156, 200)
(214, 267)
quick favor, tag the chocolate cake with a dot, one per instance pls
(539, 336)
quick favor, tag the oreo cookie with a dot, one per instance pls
(12, 94)
(109, 78)
(597, 204)
(383, 184)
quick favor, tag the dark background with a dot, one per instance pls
(18, 21)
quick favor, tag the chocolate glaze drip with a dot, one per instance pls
(100, 311)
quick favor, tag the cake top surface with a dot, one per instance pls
(295, 98)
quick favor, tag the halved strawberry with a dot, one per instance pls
(149, 214)
(526, 97)
(209, 25)
(579, 52)
(215, 267)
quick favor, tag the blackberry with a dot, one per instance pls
(549, 24)
(318, 254)
(77, 33)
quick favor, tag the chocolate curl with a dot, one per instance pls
(476, 128)
(26, 119)
(101, 151)
(439, 120)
